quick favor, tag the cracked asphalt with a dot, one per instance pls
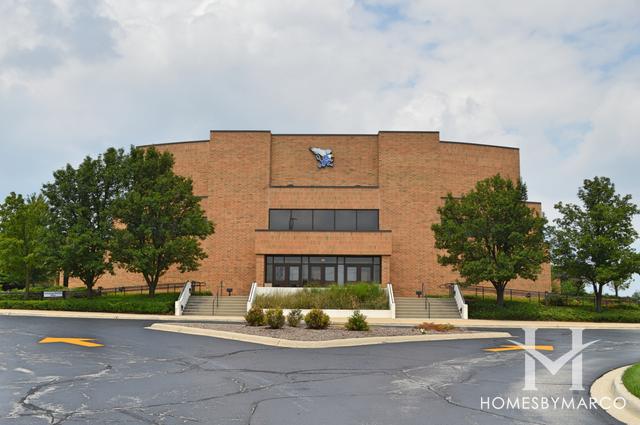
(142, 376)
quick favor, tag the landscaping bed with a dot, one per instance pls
(361, 296)
(304, 334)
(531, 310)
(142, 304)
(631, 379)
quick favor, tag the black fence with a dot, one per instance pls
(120, 290)
(549, 298)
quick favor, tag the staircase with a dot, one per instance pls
(415, 308)
(226, 306)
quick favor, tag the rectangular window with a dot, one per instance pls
(301, 220)
(368, 220)
(316, 273)
(352, 274)
(346, 220)
(323, 220)
(279, 219)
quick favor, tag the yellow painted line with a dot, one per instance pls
(84, 342)
(520, 347)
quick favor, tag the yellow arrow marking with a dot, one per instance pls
(84, 342)
(518, 347)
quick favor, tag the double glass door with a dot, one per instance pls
(292, 270)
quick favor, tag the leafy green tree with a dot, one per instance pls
(592, 242)
(23, 252)
(81, 201)
(160, 220)
(620, 285)
(491, 235)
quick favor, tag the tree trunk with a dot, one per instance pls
(499, 294)
(65, 278)
(615, 288)
(27, 282)
(598, 295)
(152, 289)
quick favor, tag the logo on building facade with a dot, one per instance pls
(532, 355)
(323, 156)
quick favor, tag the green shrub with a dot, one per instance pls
(294, 317)
(317, 319)
(357, 322)
(425, 327)
(275, 318)
(255, 316)
(554, 299)
(531, 310)
(357, 296)
(143, 304)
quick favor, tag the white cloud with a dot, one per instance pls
(561, 80)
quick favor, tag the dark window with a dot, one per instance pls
(316, 273)
(345, 220)
(323, 219)
(301, 220)
(352, 274)
(368, 220)
(294, 270)
(279, 219)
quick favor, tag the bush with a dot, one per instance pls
(255, 316)
(554, 299)
(362, 296)
(275, 318)
(531, 310)
(435, 327)
(294, 317)
(317, 319)
(143, 304)
(357, 322)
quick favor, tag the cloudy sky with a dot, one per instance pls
(559, 79)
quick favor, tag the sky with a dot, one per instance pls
(558, 79)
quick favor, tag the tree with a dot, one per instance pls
(491, 235)
(620, 285)
(81, 202)
(160, 221)
(23, 253)
(592, 242)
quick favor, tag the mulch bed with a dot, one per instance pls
(303, 334)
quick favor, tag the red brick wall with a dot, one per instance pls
(406, 177)
(356, 161)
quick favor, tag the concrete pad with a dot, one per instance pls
(609, 386)
(346, 342)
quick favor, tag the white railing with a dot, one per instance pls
(392, 300)
(462, 307)
(183, 299)
(252, 295)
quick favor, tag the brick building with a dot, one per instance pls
(287, 215)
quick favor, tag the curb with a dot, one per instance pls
(610, 386)
(346, 342)
(461, 323)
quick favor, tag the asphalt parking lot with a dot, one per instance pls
(140, 376)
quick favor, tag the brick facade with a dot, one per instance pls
(404, 175)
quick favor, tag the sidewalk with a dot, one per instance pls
(471, 323)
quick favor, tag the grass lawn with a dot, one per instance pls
(525, 310)
(364, 296)
(160, 304)
(631, 379)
